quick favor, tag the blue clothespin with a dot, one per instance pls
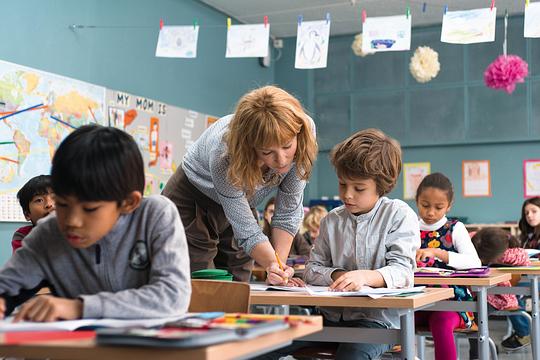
(300, 18)
(327, 18)
(424, 7)
(445, 9)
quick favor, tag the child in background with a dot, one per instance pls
(444, 244)
(369, 241)
(312, 223)
(300, 246)
(36, 199)
(529, 224)
(496, 246)
(107, 252)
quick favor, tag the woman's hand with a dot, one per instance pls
(276, 276)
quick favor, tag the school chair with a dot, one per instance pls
(213, 295)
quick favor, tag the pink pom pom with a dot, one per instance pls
(505, 72)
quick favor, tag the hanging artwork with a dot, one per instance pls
(312, 44)
(469, 26)
(386, 33)
(248, 40)
(476, 178)
(413, 174)
(531, 178)
(177, 41)
(531, 26)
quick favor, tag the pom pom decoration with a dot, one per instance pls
(505, 72)
(357, 46)
(424, 64)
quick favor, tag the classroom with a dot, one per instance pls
(394, 144)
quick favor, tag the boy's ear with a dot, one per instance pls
(27, 216)
(131, 202)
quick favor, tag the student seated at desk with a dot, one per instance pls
(445, 244)
(108, 252)
(370, 240)
(529, 224)
(36, 200)
(496, 246)
(312, 223)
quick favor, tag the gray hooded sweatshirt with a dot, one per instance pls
(140, 269)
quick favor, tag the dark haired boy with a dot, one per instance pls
(108, 252)
(369, 241)
(36, 199)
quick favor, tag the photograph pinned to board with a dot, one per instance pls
(531, 26)
(476, 178)
(386, 33)
(469, 26)
(116, 117)
(177, 42)
(531, 177)
(413, 174)
(248, 40)
(312, 44)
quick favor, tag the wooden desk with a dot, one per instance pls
(512, 227)
(88, 349)
(479, 286)
(532, 290)
(408, 305)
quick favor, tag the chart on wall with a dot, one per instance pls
(163, 133)
(37, 111)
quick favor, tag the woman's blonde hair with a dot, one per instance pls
(266, 117)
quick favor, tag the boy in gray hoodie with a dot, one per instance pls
(108, 252)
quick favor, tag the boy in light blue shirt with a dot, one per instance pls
(369, 241)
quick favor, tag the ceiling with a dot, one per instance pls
(346, 14)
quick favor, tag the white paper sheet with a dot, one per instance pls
(531, 26)
(312, 44)
(469, 26)
(249, 40)
(386, 33)
(177, 42)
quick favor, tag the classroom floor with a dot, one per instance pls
(497, 329)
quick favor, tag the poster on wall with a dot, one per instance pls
(531, 178)
(413, 173)
(312, 44)
(531, 26)
(248, 40)
(476, 178)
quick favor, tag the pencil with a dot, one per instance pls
(281, 265)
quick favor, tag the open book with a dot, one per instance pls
(438, 272)
(324, 290)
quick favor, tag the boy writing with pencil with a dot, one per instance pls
(108, 252)
(369, 241)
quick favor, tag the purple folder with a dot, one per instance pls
(474, 272)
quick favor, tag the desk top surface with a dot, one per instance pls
(88, 349)
(429, 296)
(493, 279)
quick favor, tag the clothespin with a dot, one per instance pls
(195, 23)
(364, 15)
(228, 23)
(265, 20)
(408, 11)
(492, 4)
(445, 9)
(526, 3)
(327, 18)
(300, 19)
(424, 7)
(160, 24)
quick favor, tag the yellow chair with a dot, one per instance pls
(213, 295)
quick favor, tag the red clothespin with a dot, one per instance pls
(364, 15)
(492, 4)
(265, 19)
(160, 24)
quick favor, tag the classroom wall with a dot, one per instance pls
(119, 54)
(452, 118)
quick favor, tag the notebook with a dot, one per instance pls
(193, 332)
(438, 272)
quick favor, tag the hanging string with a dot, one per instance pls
(505, 31)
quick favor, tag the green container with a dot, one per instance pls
(212, 274)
